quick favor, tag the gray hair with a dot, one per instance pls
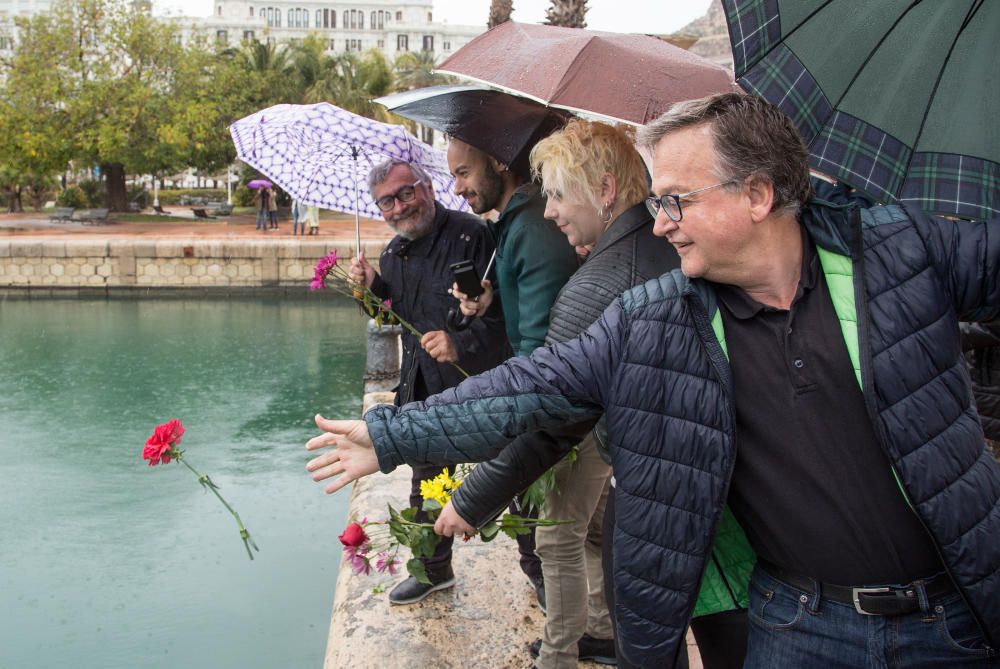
(752, 139)
(381, 171)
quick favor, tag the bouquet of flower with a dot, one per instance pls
(367, 543)
(164, 445)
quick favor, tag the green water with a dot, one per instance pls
(106, 562)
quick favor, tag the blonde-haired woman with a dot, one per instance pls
(595, 184)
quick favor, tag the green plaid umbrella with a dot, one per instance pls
(898, 98)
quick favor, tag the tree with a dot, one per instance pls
(500, 11)
(415, 69)
(567, 13)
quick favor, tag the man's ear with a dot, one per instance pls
(497, 165)
(760, 197)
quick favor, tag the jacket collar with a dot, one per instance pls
(630, 220)
(523, 196)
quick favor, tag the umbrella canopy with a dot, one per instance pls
(321, 155)
(631, 78)
(259, 183)
(898, 98)
(502, 125)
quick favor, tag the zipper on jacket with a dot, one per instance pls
(720, 362)
(867, 392)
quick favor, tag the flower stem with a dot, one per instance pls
(208, 483)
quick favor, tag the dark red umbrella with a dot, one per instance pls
(632, 78)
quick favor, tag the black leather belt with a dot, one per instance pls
(885, 600)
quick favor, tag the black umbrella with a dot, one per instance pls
(501, 125)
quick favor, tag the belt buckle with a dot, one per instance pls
(856, 596)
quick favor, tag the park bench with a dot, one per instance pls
(94, 216)
(222, 209)
(201, 213)
(62, 214)
(160, 210)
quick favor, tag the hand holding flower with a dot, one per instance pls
(352, 456)
(450, 524)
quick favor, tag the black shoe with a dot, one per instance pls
(412, 591)
(599, 651)
(539, 585)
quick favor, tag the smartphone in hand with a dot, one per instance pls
(467, 278)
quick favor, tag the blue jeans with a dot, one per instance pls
(793, 629)
(261, 219)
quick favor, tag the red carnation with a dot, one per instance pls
(160, 446)
(354, 536)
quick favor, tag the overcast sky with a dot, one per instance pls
(640, 16)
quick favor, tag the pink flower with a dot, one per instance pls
(356, 556)
(160, 446)
(386, 562)
(323, 267)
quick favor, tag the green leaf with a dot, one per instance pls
(410, 514)
(488, 532)
(427, 543)
(431, 505)
(416, 569)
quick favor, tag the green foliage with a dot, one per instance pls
(243, 196)
(138, 194)
(92, 192)
(72, 196)
(174, 195)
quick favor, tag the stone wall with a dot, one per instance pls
(176, 263)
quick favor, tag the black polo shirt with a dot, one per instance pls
(812, 487)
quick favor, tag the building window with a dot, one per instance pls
(428, 42)
(372, 23)
(248, 35)
(402, 42)
(319, 18)
(446, 46)
(330, 45)
(381, 44)
(333, 18)
(221, 37)
(270, 16)
(291, 18)
(277, 17)
(251, 11)
(399, 16)
(430, 17)
(218, 10)
(347, 20)
(382, 16)
(361, 19)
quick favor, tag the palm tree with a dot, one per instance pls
(416, 70)
(567, 13)
(500, 11)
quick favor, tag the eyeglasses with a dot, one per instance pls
(404, 194)
(671, 202)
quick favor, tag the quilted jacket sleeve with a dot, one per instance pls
(966, 254)
(560, 385)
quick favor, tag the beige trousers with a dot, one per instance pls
(571, 558)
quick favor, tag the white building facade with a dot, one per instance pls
(391, 26)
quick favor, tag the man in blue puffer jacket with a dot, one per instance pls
(804, 373)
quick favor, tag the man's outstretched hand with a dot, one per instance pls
(351, 454)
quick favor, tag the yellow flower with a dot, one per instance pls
(439, 488)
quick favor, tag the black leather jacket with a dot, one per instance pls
(627, 254)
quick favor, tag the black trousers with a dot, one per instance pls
(721, 637)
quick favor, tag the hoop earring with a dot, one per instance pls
(605, 212)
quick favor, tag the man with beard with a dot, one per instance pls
(415, 275)
(533, 262)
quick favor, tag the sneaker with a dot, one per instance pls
(412, 591)
(539, 585)
(598, 651)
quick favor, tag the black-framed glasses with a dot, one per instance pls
(404, 194)
(671, 202)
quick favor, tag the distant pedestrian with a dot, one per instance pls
(272, 209)
(261, 200)
(298, 214)
(312, 218)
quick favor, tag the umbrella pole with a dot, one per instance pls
(357, 213)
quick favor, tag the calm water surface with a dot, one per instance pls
(106, 562)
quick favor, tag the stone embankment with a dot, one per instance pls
(96, 265)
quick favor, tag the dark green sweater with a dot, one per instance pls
(534, 260)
